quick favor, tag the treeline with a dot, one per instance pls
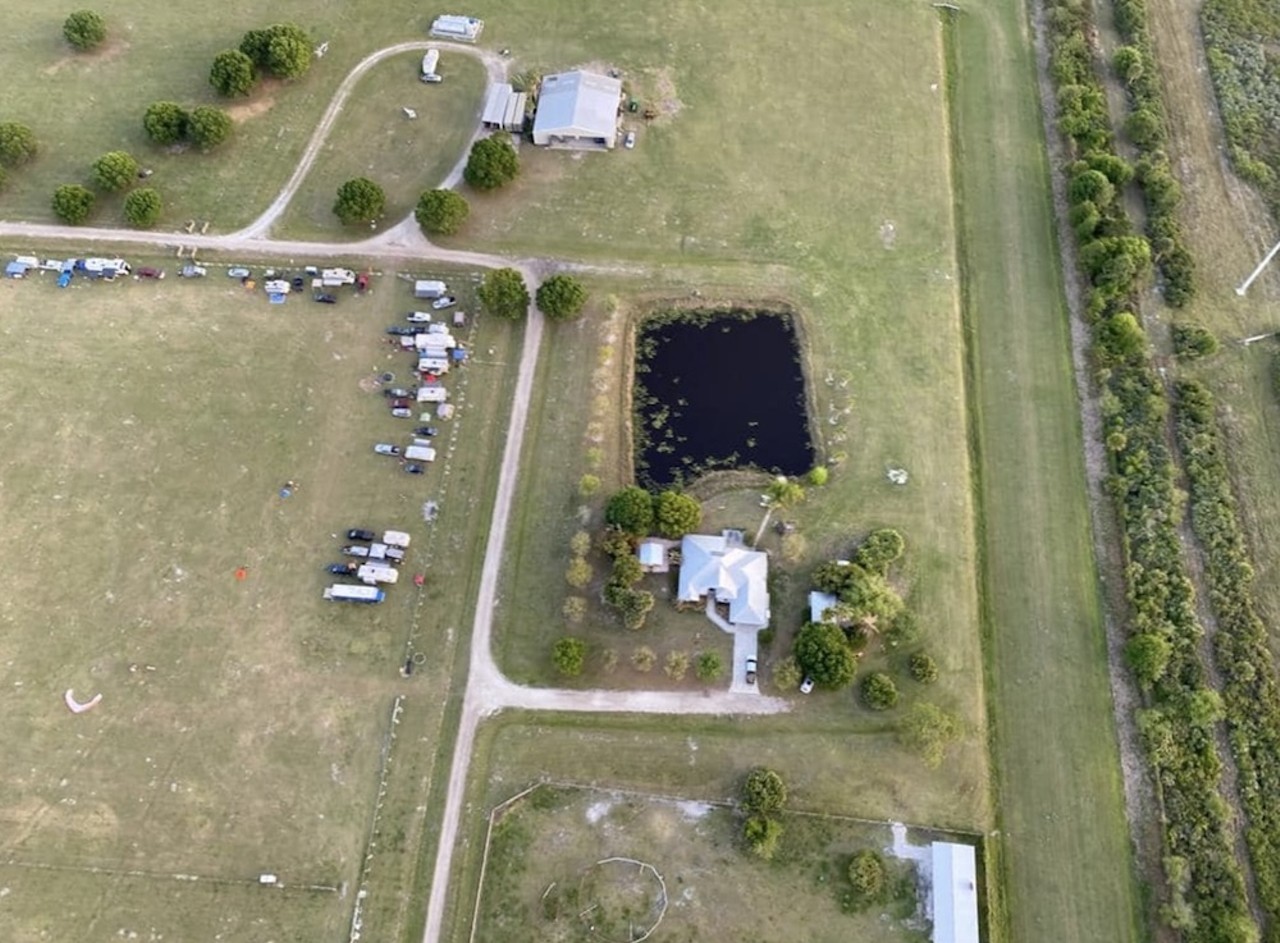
(1206, 883)
(1250, 697)
(1148, 129)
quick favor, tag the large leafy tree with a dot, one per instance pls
(503, 293)
(142, 208)
(823, 653)
(84, 29)
(676, 514)
(492, 163)
(72, 203)
(283, 49)
(763, 792)
(115, 170)
(232, 74)
(569, 655)
(927, 729)
(360, 200)
(210, 126)
(441, 212)
(630, 510)
(17, 144)
(561, 297)
(165, 122)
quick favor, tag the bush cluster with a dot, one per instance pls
(1250, 699)
(1177, 731)
(1148, 129)
(633, 605)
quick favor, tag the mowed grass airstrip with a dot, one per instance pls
(842, 207)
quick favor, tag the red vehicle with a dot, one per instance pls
(148, 272)
(401, 404)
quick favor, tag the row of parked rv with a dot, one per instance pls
(375, 564)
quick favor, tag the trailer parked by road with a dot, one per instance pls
(340, 592)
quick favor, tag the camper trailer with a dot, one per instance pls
(374, 573)
(340, 592)
(429, 288)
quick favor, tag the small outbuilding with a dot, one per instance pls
(15, 270)
(955, 893)
(819, 603)
(652, 554)
(463, 29)
(429, 288)
(578, 110)
(504, 108)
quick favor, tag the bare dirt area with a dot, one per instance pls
(112, 48)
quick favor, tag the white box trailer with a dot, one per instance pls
(436, 365)
(340, 592)
(338, 276)
(277, 286)
(432, 393)
(420, 453)
(429, 288)
(396, 538)
(434, 339)
(374, 573)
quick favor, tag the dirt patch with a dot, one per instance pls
(664, 94)
(111, 49)
(370, 384)
(262, 102)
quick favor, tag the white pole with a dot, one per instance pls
(1244, 286)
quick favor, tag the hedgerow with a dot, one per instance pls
(1250, 696)
(1148, 129)
(1207, 887)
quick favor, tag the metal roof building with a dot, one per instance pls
(955, 893)
(504, 108)
(462, 28)
(578, 110)
(724, 568)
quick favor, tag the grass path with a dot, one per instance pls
(1066, 867)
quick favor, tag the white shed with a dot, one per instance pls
(429, 288)
(955, 893)
(578, 110)
(432, 393)
(464, 29)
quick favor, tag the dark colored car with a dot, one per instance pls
(359, 533)
(402, 404)
(148, 272)
(414, 469)
(342, 569)
(426, 430)
(327, 299)
(400, 331)
(299, 283)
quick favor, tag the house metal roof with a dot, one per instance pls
(578, 104)
(955, 893)
(734, 574)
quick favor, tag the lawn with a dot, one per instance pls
(242, 719)
(698, 884)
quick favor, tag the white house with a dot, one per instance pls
(955, 893)
(578, 110)
(464, 29)
(723, 567)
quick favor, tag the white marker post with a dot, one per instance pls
(1244, 286)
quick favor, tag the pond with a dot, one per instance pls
(719, 389)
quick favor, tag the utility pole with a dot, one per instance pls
(1244, 286)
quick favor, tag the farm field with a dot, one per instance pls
(695, 881)
(242, 721)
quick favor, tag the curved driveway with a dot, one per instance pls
(488, 690)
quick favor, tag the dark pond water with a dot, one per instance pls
(725, 390)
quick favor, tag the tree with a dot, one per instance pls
(569, 655)
(879, 692)
(927, 729)
(72, 203)
(762, 835)
(165, 122)
(631, 511)
(784, 493)
(574, 609)
(492, 163)
(503, 293)
(643, 659)
(676, 514)
(84, 29)
(1128, 63)
(580, 543)
(115, 170)
(880, 549)
(561, 297)
(1191, 341)
(142, 208)
(709, 667)
(677, 665)
(441, 212)
(1092, 186)
(763, 792)
(823, 653)
(289, 56)
(588, 485)
(818, 475)
(579, 573)
(786, 674)
(232, 74)
(634, 605)
(867, 875)
(923, 668)
(1148, 656)
(360, 200)
(17, 144)
(209, 127)
(1122, 337)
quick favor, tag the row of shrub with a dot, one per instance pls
(1239, 36)
(1250, 697)
(1147, 127)
(1207, 887)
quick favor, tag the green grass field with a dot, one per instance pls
(241, 721)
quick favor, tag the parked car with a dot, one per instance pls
(238, 272)
(448, 301)
(147, 271)
(806, 685)
(326, 299)
(414, 469)
(751, 671)
(399, 413)
(630, 140)
(342, 569)
(417, 317)
(394, 554)
(401, 403)
(299, 283)
(397, 330)
(193, 271)
(359, 533)
(426, 430)
(355, 550)
(384, 448)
